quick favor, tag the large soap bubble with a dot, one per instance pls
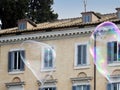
(39, 59)
(105, 47)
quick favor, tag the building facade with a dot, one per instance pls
(73, 67)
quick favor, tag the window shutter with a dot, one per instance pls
(88, 87)
(39, 89)
(84, 54)
(45, 57)
(10, 57)
(22, 58)
(79, 48)
(115, 51)
(50, 58)
(108, 86)
(73, 87)
(54, 88)
(109, 52)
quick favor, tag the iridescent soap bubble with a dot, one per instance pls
(39, 58)
(102, 42)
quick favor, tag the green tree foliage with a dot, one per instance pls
(41, 11)
(11, 11)
(37, 10)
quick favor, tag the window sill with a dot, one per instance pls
(82, 67)
(16, 72)
(47, 69)
(114, 64)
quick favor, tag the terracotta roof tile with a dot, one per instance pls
(63, 23)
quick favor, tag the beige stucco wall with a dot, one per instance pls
(64, 62)
(94, 18)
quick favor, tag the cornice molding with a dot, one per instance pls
(47, 35)
(14, 84)
(52, 35)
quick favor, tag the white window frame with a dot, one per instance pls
(49, 86)
(22, 26)
(17, 52)
(16, 71)
(114, 63)
(87, 65)
(118, 85)
(42, 66)
(77, 84)
(87, 18)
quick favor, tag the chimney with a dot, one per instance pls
(118, 12)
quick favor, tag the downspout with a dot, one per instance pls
(94, 61)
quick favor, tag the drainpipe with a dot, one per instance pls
(94, 61)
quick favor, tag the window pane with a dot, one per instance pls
(112, 51)
(74, 87)
(79, 55)
(109, 86)
(109, 52)
(48, 58)
(16, 63)
(15, 60)
(46, 89)
(50, 55)
(79, 87)
(115, 51)
(88, 87)
(115, 86)
(19, 60)
(84, 87)
(50, 88)
(45, 58)
(84, 54)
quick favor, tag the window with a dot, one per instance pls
(15, 62)
(48, 88)
(48, 58)
(113, 86)
(22, 26)
(81, 87)
(86, 18)
(81, 54)
(113, 51)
